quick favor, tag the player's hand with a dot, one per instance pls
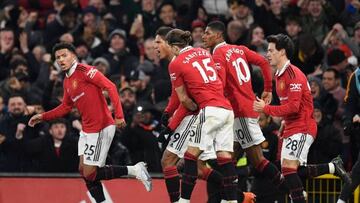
(259, 105)
(35, 120)
(120, 123)
(165, 118)
(356, 119)
(267, 97)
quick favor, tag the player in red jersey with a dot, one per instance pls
(232, 62)
(296, 109)
(83, 86)
(195, 80)
(182, 127)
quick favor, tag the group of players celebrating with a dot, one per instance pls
(212, 114)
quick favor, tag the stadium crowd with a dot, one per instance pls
(117, 37)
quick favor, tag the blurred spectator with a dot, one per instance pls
(257, 41)
(128, 102)
(337, 60)
(103, 65)
(273, 21)
(83, 52)
(140, 137)
(216, 8)
(197, 31)
(236, 32)
(167, 15)
(149, 17)
(321, 15)
(240, 10)
(7, 44)
(65, 21)
(355, 40)
(142, 87)
(293, 28)
(202, 15)
(67, 37)
(56, 151)
(336, 39)
(309, 54)
(14, 130)
(119, 56)
(324, 98)
(326, 145)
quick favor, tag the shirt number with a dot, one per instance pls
(242, 77)
(204, 69)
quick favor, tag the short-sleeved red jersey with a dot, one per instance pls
(232, 62)
(195, 69)
(83, 89)
(296, 101)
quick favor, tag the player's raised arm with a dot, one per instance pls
(98, 79)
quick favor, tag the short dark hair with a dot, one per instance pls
(217, 26)
(336, 72)
(163, 31)
(179, 38)
(63, 45)
(58, 121)
(282, 41)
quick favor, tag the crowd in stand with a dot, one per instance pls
(117, 37)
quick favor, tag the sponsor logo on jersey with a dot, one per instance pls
(77, 97)
(91, 73)
(295, 87)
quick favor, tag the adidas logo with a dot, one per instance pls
(88, 158)
(242, 142)
(291, 153)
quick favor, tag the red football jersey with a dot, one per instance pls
(296, 101)
(233, 69)
(83, 89)
(195, 69)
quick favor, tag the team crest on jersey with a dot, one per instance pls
(281, 85)
(172, 76)
(74, 84)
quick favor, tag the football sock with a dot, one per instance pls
(311, 171)
(295, 185)
(172, 181)
(96, 190)
(189, 176)
(230, 178)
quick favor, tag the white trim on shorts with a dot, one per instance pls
(296, 147)
(95, 146)
(247, 132)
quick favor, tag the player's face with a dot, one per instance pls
(273, 54)
(58, 131)
(65, 59)
(209, 38)
(162, 48)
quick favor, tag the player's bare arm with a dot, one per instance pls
(185, 99)
(35, 120)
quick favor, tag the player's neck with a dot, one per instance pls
(217, 43)
(282, 62)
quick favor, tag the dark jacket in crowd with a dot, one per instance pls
(42, 149)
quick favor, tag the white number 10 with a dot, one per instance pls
(242, 77)
(205, 64)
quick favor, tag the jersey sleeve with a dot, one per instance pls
(175, 75)
(294, 88)
(178, 116)
(257, 59)
(95, 77)
(61, 110)
(173, 102)
(220, 66)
